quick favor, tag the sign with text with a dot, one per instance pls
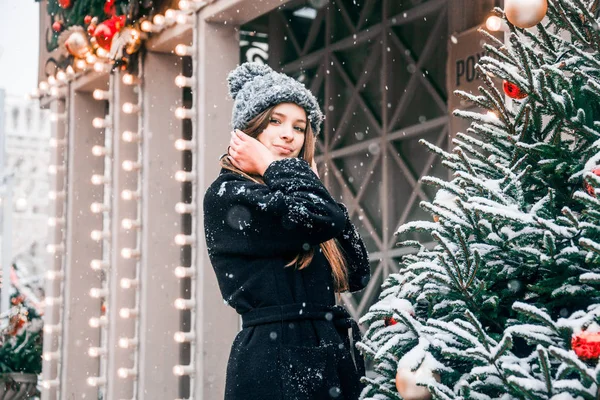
(464, 51)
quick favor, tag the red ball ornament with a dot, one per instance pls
(64, 4)
(57, 26)
(105, 31)
(87, 19)
(387, 321)
(586, 345)
(589, 188)
(513, 91)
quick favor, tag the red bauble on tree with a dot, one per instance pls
(87, 19)
(513, 91)
(105, 31)
(57, 26)
(586, 345)
(589, 188)
(65, 3)
(387, 321)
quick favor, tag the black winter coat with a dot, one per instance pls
(294, 344)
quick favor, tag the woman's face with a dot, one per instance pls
(284, 136)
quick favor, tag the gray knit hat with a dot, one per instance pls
(255, 87)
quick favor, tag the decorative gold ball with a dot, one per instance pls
(525, 13)
(77, 44)
(406, 383)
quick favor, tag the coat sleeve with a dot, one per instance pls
(357, 257)
(291, 211)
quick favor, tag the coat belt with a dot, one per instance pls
(307, 311)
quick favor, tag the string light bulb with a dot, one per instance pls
(185, 208)
(97, 208)
(100, 123)
(495, 24)
(130, 137)
(54, 275)
(127, 283)
(101, 66)
(147, 26)
(81, 64)
(98, 235)
(129, 224)
(49, 384)
(125, 373)
(183, 240)
(184, 304)
(97, 179)
(184, 176)
(130, 108)
(96, 381)
(181, 370)
(182, 144)
(100, 151)
(55, 248)
(128, 253)
(56, 221)
(130, 195)
(53, 301)
(51, 355)
(129, 79)
(184, 113)
(96, 322)
(98, 265)
(51, 80)
(184, 337)
(96, 352)
(129, 165)
(127, 343)
(184, 272)
(98, 293)
(182, 50)
(100, 94)
(126, 313)
(184, 81)
(52, 329)
(54, 195)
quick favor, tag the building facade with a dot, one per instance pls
(24, 170)
(134, 309)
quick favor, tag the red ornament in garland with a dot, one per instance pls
(513, 91)
(109, 8)
(105, 31)
(387, 321)
(586, 345)
(589, 188)
(87, 19)
(57, 26)
(64, 4)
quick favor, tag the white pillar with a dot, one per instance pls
(216, 323)
(79, 307)
(159, 320)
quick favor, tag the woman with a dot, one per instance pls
(281, 248)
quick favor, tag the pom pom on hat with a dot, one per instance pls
(244, 74)
(256, 87)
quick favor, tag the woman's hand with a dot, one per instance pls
(248, 154)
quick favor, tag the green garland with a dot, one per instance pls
(75, 15)
(21, 352)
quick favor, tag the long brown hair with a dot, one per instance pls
(331, 249)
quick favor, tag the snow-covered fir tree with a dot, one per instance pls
(507, 304)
